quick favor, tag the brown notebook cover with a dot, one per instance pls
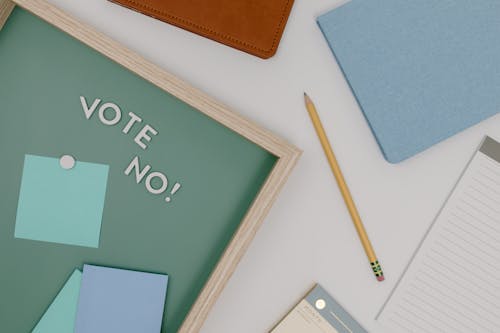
(253, 26)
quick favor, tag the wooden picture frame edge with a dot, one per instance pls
(6, 8)
(286, 153)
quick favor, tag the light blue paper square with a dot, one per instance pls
(59, 205)
(117, 300)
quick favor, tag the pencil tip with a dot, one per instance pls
(306, 98)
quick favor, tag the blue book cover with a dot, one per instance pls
(421, 71)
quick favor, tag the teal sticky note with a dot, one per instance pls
(61, 314)
(59, 205)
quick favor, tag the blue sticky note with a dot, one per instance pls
(60, 316)
(421, 71)
(117, 300)
(59, 205)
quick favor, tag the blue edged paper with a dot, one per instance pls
(422, 70)
(117, 300)
(333, 312)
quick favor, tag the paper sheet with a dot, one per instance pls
(117, 300)
(60, 316)
(453, 281)
(59, 205)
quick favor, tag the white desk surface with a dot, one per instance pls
(308, 237)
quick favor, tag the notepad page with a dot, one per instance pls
(452, 283)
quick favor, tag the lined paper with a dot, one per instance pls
(452, 283)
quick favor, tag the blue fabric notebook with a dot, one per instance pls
(422, 70)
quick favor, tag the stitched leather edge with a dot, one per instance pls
(212, 31)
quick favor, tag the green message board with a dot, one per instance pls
(59, 97)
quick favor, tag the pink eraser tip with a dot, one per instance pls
(380, 278)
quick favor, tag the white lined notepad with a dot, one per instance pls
(453, 281)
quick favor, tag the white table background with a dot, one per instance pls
(308, 237)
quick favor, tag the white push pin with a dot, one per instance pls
(320, 304)
(67, 162)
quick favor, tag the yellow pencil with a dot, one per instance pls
(346, 194)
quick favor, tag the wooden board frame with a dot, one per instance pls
(287, 154)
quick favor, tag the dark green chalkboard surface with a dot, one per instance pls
(43, 73)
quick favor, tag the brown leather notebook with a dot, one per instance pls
(253, 26)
